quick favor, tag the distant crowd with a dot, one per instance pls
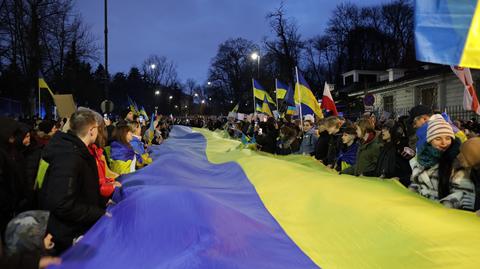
(426, 151)
(57, 177)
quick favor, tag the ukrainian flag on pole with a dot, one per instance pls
(448, 32)
(42, 84)
(305, 98)
(281, 89)
(260, 92)
(266, 108)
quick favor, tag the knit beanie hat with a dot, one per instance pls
(470, 153)
(26, 231)
(437, 127)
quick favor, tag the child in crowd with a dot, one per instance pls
(122, 154)
(142, 156)
(348, 152)
(368, 151)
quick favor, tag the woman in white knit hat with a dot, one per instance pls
(433, 175)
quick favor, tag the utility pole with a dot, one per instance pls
(106, 51)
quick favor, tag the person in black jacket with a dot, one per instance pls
(27, 160)
(70, 190)
(321, 147)
(10, 175)
(391, 163)
(333, 125)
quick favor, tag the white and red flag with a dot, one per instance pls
(470, 99)
(327, 100)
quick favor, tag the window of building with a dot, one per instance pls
(388, 103)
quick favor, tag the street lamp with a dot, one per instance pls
(210, 99)
(157, 92)
(186, 106)
(209, 83)
(170, 97)
(196, 95)
(153, 66)
(203, 101)
(231, 102)
(176, 106)
(256, 57)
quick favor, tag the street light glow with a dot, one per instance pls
(231, 102)
(171, 97)
(209, 83)
(203, 101)
(157, 92)
(153, 66)
(255, 56)
(210, 99)
(186, 106)
(176, 106)
(196, 95)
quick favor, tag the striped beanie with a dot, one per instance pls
(438, 127)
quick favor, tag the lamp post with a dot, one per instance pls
(256, 57)
(106, 51)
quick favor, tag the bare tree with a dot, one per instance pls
(160, 71)
(287, 45)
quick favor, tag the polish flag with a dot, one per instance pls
(470, 99)
(327, 100)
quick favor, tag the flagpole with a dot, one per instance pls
(276, 93)
(253, 92)
(39, 102)
(299, 96)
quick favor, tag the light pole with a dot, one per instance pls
(256, 57)
(106, 51)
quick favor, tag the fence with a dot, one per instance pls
(10, 107)
(455, 113)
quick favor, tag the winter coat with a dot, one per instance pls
(334, 147)
(70, 189)
(286, 145)
(367, 158)
(267, 141)
(307, 147)
(426, 173)
(106, 183)
(10, 175)
(347, 156)
(475, 177)
(19, 261)
(391, 163)
(321, 147)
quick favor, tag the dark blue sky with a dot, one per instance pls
(189, 31)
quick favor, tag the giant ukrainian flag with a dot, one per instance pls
(448, 32)
(304, 97)
(207, 203)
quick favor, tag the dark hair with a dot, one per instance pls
(121, 132)
(80, 121)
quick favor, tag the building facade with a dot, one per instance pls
(396, 91)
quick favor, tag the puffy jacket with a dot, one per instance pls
(367, 158)
(70, 189)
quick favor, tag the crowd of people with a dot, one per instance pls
(426, 151)
(57, 178)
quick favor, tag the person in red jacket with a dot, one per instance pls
(105, 175)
